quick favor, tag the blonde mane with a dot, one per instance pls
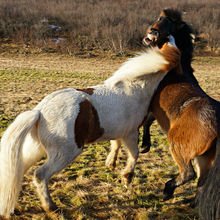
(143, 64)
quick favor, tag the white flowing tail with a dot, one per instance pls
(11, 164)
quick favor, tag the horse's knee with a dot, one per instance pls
(112, 156)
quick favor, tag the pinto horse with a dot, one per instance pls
(65, 120)
(184, 111)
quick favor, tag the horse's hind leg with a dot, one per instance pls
(203, 163)
(186, 172)
(131, 143)
(112, 156)
(58, 158)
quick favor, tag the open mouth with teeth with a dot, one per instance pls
(151, 38)
(154, 39)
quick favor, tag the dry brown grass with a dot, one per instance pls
(106, 25)
(87, 189)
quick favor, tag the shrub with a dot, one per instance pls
(116, 25)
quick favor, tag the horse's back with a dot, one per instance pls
(59, 111)
(79, 116)
(117, 110)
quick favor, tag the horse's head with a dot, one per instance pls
(168, 23)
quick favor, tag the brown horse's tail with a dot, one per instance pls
(209, 201)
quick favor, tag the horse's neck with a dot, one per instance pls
(185, 45)
(188, 70)
(144, 87)
(186, 66)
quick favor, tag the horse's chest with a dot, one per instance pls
(172, 98)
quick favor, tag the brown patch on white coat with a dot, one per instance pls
(87, 125)
(89, 91)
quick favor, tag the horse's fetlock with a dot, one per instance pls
(110, 163)
(145, 148)
(192, 174)
(185, 177)
(52, 207)
(111, 166)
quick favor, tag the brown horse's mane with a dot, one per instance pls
(173, 14)
(183, 39)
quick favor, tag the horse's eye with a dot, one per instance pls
(160, 18)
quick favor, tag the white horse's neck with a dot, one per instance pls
(136, 70)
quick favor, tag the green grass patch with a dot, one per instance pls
(32, 75)
(86, 189)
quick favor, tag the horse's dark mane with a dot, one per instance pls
(183, 39)
(173, 14)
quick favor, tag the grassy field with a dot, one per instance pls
(87, 189)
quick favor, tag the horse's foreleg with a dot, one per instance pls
(133, 152)
(186, 172)
(112, 156)
(58, 158)
(146, 142)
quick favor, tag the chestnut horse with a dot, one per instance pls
(185, 112)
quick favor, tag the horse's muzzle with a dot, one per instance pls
(151, 37)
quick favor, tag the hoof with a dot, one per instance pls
(127, 178)
(169, 190)
(54, 208)
(187, 201)
(145, 149)
(195, 201)
(193, 204)
(51, 208)
(167, 196)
